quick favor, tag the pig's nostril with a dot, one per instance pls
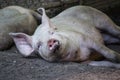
(54, 41)
(50, 45)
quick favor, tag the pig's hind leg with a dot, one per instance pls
(112, 57)
(105, 24)
(104, 64)
(109, 39)
(109, 54)
(113, 30)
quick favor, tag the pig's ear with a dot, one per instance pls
(23, 43)
(45, 20)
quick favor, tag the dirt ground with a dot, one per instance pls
(15, 67)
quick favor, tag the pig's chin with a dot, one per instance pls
(51, 58)
(54, 56)
(51, 55)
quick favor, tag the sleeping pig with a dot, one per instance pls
(16, 19)
(77, 34)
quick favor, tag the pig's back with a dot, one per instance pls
(70, 20)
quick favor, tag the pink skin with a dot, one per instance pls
(53, 44)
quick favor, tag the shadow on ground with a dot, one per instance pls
(15, 67)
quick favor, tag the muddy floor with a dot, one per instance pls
(15, 67)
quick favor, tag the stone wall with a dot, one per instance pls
(54, 7)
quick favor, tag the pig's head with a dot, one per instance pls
(46, 40)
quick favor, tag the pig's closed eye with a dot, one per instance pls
(39, 45)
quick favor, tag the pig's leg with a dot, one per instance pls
(103, 50)
(104, 63)
(104, 23)
(113, 58)
(113, 30)
(109, 39)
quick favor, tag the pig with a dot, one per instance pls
(77, 34)
(16, 19)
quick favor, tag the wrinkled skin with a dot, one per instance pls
(16, 19)
(72, 35)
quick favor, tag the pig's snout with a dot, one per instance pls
(53, 45)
